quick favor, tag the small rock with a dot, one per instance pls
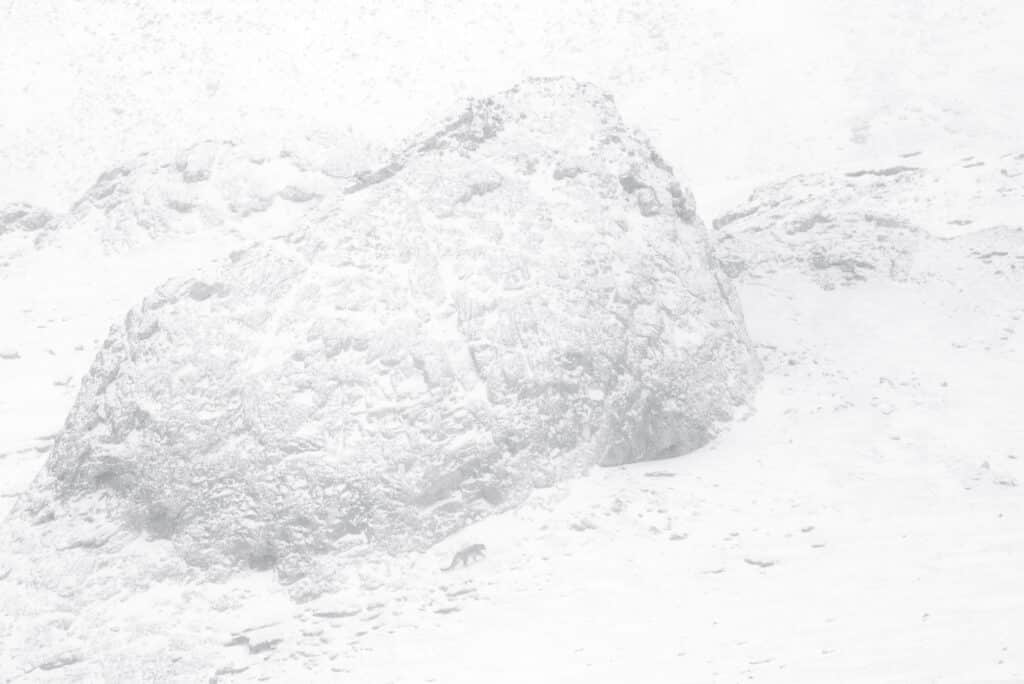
(759, 563)
(62, 660)
(583, 525)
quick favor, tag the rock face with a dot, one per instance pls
(844, 228)
(822, 226)
(65, 276)
(23, 217)
(21, 226)
(240, 190)
(516, 297)
(216, 188)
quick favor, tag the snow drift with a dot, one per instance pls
(515, 297)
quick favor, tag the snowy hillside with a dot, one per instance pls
(860, 168)
(862, 525)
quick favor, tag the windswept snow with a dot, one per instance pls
(864, 163)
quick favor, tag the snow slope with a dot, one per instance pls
(810, 544)
(861, 526)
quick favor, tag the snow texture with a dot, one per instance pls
(517, 296)
(871, 500)
(861, 525)
(65, 276)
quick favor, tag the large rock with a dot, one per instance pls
(65, 276)
(888, 222)
(20, 227)
(215, 188)
(837, 229)
(517, 296)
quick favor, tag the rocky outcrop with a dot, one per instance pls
(840, 229)
(836, 229)
(517, 296)
(224, 188)
(65, 276)
(21, 226)
(23, 217)
(239, 190)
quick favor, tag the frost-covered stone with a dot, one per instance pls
(232, 189)
(65, 276)
(843, 228)
(23, 217)
(241, 190)
(516, 297)
(836, 229)
(21, 227)
(166, 213)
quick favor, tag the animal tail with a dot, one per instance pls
(449, 567)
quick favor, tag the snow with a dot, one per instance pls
(863, 525)
(754, 87)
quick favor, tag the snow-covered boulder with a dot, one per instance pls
(865, 223)
(65, 276)
(520, 294)
(837, 229)
(236, 190)
(215, 189)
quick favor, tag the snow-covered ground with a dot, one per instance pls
(862, 526)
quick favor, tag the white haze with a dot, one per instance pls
(863, 525)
